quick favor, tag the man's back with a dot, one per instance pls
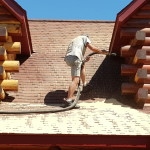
(77, 47)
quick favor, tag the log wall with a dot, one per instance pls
(134, 47)
(137, 67)
(9, 28)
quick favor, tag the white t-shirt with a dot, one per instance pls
(77, 47)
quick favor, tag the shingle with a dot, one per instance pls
(44, 78)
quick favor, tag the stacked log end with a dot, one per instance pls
(137, 55)
(8, 64)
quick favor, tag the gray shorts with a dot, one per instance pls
(75, 63)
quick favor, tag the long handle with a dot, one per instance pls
(93, 53)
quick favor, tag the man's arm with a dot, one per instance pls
(94, 49)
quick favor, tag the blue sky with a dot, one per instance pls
(73, 9)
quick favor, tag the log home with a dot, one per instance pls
(14, 40)
(106, 119)
(131, 40)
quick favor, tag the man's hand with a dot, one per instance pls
(96, 50)
(105, 52)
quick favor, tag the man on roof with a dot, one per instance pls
(74, 57)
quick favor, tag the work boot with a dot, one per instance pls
(68, 102)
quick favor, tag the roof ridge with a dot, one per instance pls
(61, 20)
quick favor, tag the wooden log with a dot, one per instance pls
(147, 67)
(3, 53)
(11, 56)
(13, 29)
(9, 39)
(128, 60)
(141, 58)
(2, 73)
(139, 23)
(12, 47)
(145, 62)
(129, 88)
(4, 11)
(131, 32)
(139, 39)
(142, 14)
(3, 34)
(8, 75)
(142, 76)
(139, 97)
(8, 56)
(2, 94)
(146, 41)
(148, 99)
(130, 70)
(130, 51)
(146, 7)
(9, 85)
(10, 66)
(142, 96)
(8, 19)
(132, 88)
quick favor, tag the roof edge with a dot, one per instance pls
(130, 9)
(14, 8)
(122, 16)
(137, 141)
(61, 20)
(21, 15)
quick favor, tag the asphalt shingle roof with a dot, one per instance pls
(44, 78)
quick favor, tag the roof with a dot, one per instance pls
(126, 21)
(43, 83)
(44, 77)
(20, 14)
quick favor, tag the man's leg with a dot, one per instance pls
(73, 86)
(83, 77)
(75, 65)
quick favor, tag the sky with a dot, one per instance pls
(73, 9)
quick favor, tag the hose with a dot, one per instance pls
(53, 110)
(45, 110)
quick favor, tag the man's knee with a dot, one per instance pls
(75, 79)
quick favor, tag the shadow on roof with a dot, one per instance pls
(55, 97)
(22, 58)
(106, 83)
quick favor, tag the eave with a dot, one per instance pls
(121, 19)
(20, 14)
(109, 141)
